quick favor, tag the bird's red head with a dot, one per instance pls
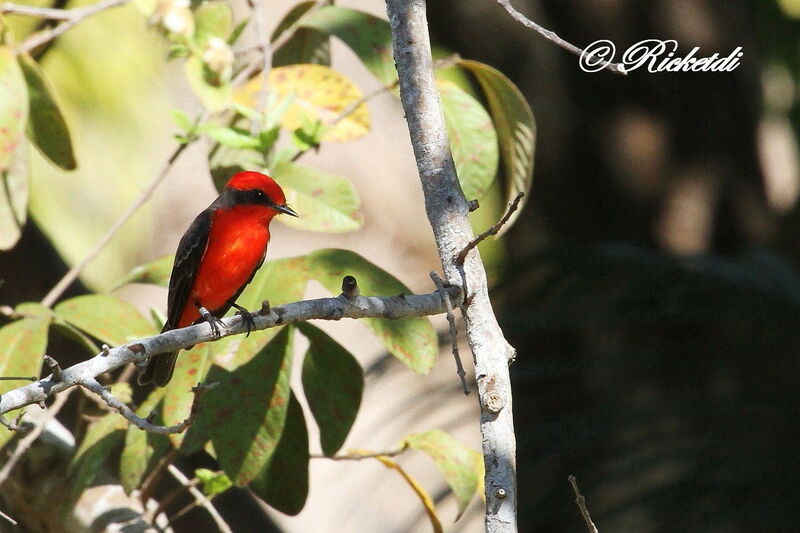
(258, 188)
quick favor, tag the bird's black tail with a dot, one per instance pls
(159, 369)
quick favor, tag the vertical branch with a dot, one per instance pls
(447, 211)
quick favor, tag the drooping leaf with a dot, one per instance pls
(283, 483)
(319, 94)
(190, 370)
(516, 129)
(143, 449)
(454, 459)
(47, 128)
(13, 149)
(22, 345)
(234, 138)
(333, 382)
(306, 45)
(244, 415)
(212, 19)
(325, 202)
(421, 493)
(368, 36)
(102, 438)
(105, 317)
(473, 140)
(213, 482)
(214, 94)
(412, 340)
(156, 273)
(280, 281)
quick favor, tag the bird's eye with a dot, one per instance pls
(260, 195)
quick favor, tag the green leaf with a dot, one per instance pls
(212, 19)
(143, 449)
(156, 273)
(516, 129)
(325, 202)
(13, 149)
(181, 119)
(215, 95)
(473, 140)
(34, 310)
(190, 370)
(105, 317)
(47, 128)
(245, 414)
(283, 483)
(22, 346)
(213, 483)
(412, 340)
(368, 36)
(101, 440)
(234, 138)
(306, 45)
(454, 459)
(280, 281)
(333, 383)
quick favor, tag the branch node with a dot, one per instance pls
(105, 349)
(500, 493)
(580, 501)
(451, 320)
(265, 309)
(474, 205)
(55, 368)
(491, 231)
(350, 287)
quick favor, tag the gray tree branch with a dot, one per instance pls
(320, 308)
(447, 211)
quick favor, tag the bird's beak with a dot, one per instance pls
(286, 210)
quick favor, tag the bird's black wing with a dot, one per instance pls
(187, 262)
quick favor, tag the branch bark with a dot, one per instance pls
(321, 308)
(447, 211)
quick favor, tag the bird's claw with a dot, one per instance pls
(247, 317)
(216, 324)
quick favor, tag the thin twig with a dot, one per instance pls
(8, 8)
(259, 17)
(95, 386)
(170, 497)
(6, 517)
(580, 501)
(27, 441)
(451, 319)
(70, 18)
(357, 456)
(201, 500)
(551, 36)
(491, 231)
(64, 283)
(18, 378)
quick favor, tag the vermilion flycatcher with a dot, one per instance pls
(217, 257)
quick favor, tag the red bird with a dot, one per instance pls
(217, 257)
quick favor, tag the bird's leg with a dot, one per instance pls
(213, 321)
(247, 317)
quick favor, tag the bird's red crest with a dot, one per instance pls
(249, 180)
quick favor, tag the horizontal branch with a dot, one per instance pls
(321, 308)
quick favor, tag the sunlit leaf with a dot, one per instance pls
(215, 95)
(412, 340)
(47, 128)
(13, 149)
(143, 449)
(245, 414)
(333, 382)
(190, 370)
(473, 140)
(319, 93)
(212, 19)
(283, 483)
(22, 346)
(368, 36)
(325, 202)
(105, 317)
(454, 459)
(306, 45)
(33, 310)
(516, 129)
(156, 273)
(213, 482)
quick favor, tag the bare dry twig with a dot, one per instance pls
(200, 499)
(491, 231)
(580, 501)
(551, 36)
(451, 320)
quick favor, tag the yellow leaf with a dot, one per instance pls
(318, 93)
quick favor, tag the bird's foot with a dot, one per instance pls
(247, 317)
(216, 324)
